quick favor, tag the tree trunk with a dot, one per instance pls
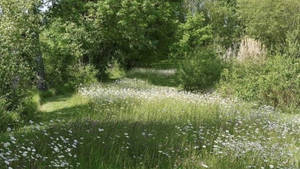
(41, 77)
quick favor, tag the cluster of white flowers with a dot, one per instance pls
(260, 136)
(21, 151)
(151, 93)
(260, 140)
(165, 72)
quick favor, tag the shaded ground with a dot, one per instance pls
(155, 77)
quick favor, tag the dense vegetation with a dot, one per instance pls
(54, 51)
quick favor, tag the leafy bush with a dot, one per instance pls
(276, 82)
(46, 94)
(7, 118)
(24, 111)
(133, 31)
(270, 20)
(200, 70)
(198, 65)
(225, 21)
(82, 75)
(62, 49)
(15, 79)
(192, 34)
(19, 55)
(28, 108)
(292, 48)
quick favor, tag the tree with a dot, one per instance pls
(270, 20)
(20, 56)
(21, 25)
(130, 31)
(223, 17)
(198, 65)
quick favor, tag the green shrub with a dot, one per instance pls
(82, 75)
(115, 70)
(198, 65)
(225, 21)
(270, 21)
(276, 82)
(28, 108)
(15, 85)
(20, 24)
(5, 116)
(46, 94)
(61, 47)
(15, 77)
(200, 70)
(292, 48)
(16, 115)
(23, 111)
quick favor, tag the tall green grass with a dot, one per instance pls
(133, 124)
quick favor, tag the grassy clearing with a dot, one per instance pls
(65, 107)
(132, 123)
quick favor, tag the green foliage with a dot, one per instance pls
(19, 29)
(62, 48)
(198, 65)
(82, 75)
(15, 76)
(192, 34)
(19, 49)
(134, 30)
(23, 111)
(96, 33)
(224, 19)
(29, 108)
(275, 82)
(7, 118)
(115, 71)
(292, 48)
(200, 70)
(46, 94)
(270, 20)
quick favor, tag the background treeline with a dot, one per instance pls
(255, 48)
(248, 49)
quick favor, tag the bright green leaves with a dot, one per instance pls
(19, 48)
(225, 22)
(199, 67)
(62, 47)
(270, 20)
(193, 34)
(137, 29)
(129, 31)
(275, 83)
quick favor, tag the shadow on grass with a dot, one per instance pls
(122, 144)
(58, 98)
(64, 107)
(69, 113)
(155, 78)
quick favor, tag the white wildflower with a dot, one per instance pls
(204, 165)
